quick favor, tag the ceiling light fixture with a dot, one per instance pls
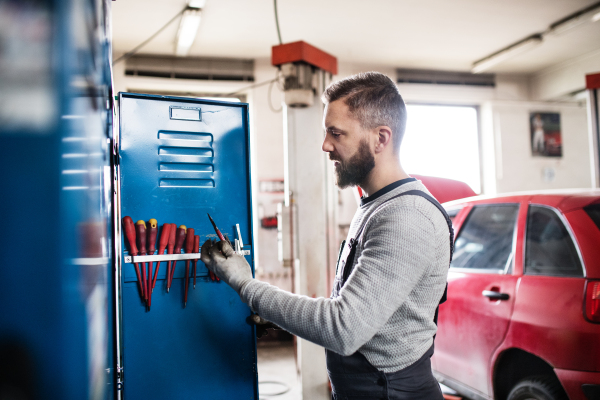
(508, 52)
(188, 27)
(591, 13)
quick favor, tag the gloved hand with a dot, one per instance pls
(262, 325)
(230, 267)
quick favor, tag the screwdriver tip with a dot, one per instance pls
(211, 220)
(167, 290)
(184, 304)
(194, 286)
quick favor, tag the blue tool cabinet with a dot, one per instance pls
(179, 159)
(55, 86)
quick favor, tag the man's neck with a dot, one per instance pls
(380, 177)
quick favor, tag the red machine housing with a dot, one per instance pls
(592, 81)
(303, 52)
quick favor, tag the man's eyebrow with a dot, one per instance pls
(333, 128)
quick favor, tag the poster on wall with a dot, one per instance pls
(546, 140)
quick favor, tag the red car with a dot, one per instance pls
(522, 320)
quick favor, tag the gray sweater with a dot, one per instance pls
(385, 309)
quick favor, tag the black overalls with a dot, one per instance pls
(354, 377)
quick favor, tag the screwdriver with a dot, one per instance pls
(220, 235)
(164, 239)
(140, 228)
(179, 239)
(130, 233)
(152, 233)
(170, 248)
(189, 246)
(195, 261)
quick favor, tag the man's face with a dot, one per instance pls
(347, 143)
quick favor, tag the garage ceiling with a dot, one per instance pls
(428, 34)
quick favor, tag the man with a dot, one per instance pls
(378, 326)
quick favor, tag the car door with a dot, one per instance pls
(548, 320)
(481, 288)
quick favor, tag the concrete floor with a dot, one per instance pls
(277, 377)
(277, 372)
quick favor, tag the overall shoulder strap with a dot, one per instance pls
(450, 229)
(432, 201)
(439, 207)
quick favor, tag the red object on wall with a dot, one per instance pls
(445, 189)
(592, 81)
(269, 222)
(302, 51)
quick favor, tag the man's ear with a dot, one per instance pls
(384, 138)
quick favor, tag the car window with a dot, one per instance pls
(486, 238)
(452, 213)
(549, 249)
(594, 212)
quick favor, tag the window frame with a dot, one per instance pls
(567, 226)
(509, 266)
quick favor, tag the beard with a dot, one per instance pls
(355, 170)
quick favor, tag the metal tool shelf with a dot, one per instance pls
(161, 257)
(171, 257)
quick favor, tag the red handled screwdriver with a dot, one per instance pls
(195, 261)
(164, 239)
(140, 228)
(179, 239)
(170, 248)
(152, 232)
(189, 246)
(133, 251)
(220, 235)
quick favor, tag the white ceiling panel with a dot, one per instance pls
(432, 34)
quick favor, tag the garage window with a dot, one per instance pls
(485, 241)
(442, 141)
(549, 247)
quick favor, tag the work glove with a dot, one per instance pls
(232, 268)
(262, 325)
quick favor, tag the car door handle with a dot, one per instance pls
(490, 294)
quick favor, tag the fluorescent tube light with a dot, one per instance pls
(569, 22)
(197, 3)
(188, 28)
(574, 20)
(508, 52)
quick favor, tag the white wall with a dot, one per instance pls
(564, 78)
(516, 169)
(505, 134)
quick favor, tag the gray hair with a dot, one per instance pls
(373, 99)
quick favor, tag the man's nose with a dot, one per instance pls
(327, 146)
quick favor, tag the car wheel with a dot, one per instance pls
(537, 388)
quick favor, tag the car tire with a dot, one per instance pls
(537, 388)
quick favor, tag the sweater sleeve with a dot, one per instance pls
(396, 253)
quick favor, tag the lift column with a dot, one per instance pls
(309, 191)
